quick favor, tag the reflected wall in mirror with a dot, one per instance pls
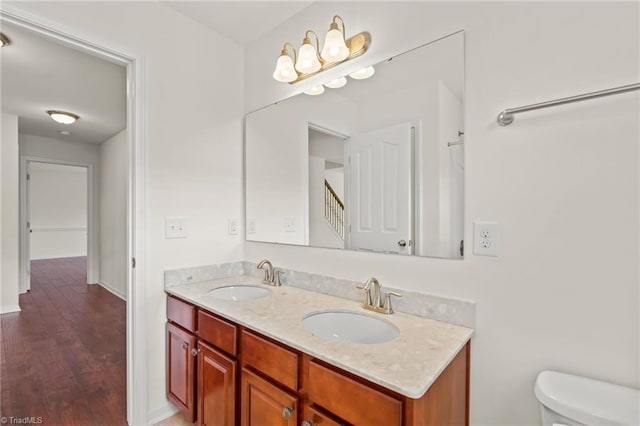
(376, 165)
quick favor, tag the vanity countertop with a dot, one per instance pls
(409, 364)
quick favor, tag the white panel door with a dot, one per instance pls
(380, 190)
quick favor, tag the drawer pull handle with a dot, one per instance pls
(308, 423)
(286, 412)
(194, 352)
(185, 345)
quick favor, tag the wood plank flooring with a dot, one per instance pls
(63, 357)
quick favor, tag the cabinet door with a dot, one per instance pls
(181, 369)
(314, 417)
(263, 403)
(216, 388)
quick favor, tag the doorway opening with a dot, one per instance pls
(58, 200)
(133, 315)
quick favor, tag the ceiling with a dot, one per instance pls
(39, 74)
(240, 21)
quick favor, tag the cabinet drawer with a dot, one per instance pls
(181, 313)
(350, 400)
(218, 332)
(273, 360)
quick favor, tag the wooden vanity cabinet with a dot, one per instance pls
(216, 387)
(264, 403)
(181, 360)
(245, 378)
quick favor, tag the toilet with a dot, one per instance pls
(577, 401)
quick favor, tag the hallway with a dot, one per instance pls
(64, 354)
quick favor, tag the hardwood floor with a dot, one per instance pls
(64, 355)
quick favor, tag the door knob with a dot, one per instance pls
(308, 423)
(194, 352)
(185, 345)
(402, 243)
(286, 412)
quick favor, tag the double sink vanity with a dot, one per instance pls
(243, 352)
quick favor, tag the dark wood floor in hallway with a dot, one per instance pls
(64, 354)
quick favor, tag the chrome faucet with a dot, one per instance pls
(271, 276)
(373, 297)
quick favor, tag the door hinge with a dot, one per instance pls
(28, 176)
(133, 262)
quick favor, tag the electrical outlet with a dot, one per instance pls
(485, 238)
(251, 226)
(175, 227)
(233, 227)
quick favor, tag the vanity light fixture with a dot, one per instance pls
(314, 91)
(4, 41)
(63, 117)
(363, 74)
(336, 83)
(309, 62)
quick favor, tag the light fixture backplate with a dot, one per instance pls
(357, 45)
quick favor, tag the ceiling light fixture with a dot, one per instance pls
(4, 41)
(63, 117)
(308, 62)
(362, 74)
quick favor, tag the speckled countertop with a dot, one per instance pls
(409, 364)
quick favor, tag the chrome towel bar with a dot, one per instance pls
(506, 117)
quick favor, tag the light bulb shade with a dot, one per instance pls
(314, 91)
(307, 59)
(62, 117)
(363, 73)
(337, 83)
(335, 49)
(285, 72)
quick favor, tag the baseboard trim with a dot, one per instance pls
(161, 413)
(112, 290)
(9, 309)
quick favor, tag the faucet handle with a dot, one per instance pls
(387, 302)
(367, 293)
(276, 277)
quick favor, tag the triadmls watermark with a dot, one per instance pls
(27, 420)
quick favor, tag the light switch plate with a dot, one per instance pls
(485, 238)
(175, 227)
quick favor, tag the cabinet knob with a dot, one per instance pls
(286, 412)
(185, 345)
(194, 352)
(308, 423)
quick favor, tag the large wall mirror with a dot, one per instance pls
(375, 165)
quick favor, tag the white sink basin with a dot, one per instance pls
(240, 292)
(349, 327)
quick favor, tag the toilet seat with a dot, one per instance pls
(588, 401)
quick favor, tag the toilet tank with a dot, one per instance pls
(576, 401)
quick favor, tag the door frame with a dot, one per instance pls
(137, 384)
(25, 207)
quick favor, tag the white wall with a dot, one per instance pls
(553, 298)
(58, 210)
(193, 118)
(113, 214)
(9, 214)
(66, 152)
